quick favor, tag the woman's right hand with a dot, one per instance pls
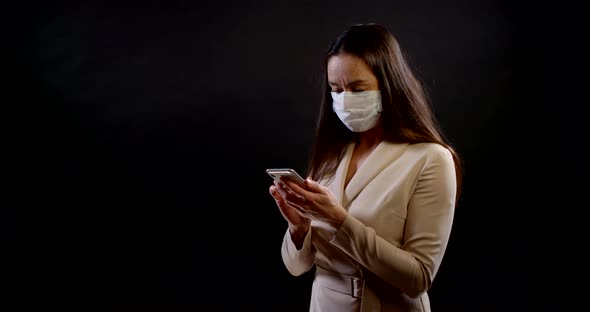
(298, 224)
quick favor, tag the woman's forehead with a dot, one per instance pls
(348, 67)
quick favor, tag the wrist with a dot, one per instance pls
(298, 234)
(300, 229)
(339, 219)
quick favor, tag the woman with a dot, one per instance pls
(375, 213)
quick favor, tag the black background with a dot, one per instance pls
(137, 149)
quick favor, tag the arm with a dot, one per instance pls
(297, 260)
(296, 249)
(430, 210)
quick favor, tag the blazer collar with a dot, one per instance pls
(340, 175)
(380, 157)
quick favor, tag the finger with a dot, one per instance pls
(298, 209)
(274, 192)
(289, 179)
(287, 191)
(280, 200)
(295, 198)
(307, 195)
(287, 207)
(298, 188)
(281, 190)
(281, 185)
(294, 186)
(279, 196)
(313, 185)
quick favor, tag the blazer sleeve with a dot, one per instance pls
(410, 268)
(297, 261)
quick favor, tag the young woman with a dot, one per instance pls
(375, 213)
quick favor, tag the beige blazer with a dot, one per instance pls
(386, 254)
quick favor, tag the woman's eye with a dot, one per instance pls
(337, 90)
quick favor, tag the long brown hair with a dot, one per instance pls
(407, 116)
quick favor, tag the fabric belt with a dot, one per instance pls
(347, 284)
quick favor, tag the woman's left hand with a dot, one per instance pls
(316, 202)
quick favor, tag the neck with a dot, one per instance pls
(370, 138)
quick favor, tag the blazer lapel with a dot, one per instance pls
(337, 185)
(380, 158)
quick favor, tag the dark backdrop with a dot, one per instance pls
(144, 128)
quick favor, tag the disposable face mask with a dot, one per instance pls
(359, 111)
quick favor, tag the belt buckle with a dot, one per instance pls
(356, 286)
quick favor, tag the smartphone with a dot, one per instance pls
(277, 173)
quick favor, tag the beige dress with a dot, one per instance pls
(386, 254)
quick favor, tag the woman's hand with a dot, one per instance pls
(298, 224)
(314, 201)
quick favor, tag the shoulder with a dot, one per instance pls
(425, 152)
(433, 150)
(423, 149)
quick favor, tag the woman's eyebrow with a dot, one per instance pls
(358, 81)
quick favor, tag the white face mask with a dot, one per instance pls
(359, 111)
